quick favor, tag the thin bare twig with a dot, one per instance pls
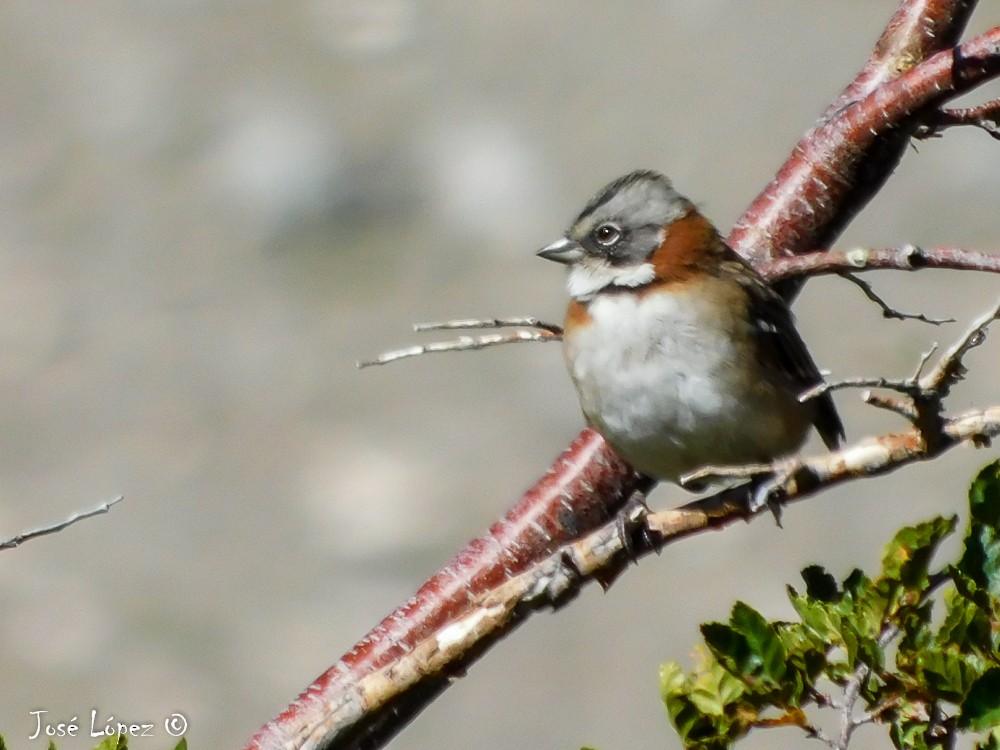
(852, 691)
(870, 717)
(899, 406)
(906, 386)
(60, 525)
(924, 359)
(818, 734)
(463, 343)
(891, 312)
(949, 369)
(985, 116)
(937, 383)
(478, 324)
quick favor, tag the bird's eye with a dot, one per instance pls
(607, 234)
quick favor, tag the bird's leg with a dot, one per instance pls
(765, 490)
(700, 479)
(764, 480)
(629, 518)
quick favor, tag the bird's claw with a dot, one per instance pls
(629, 520)
(765, 493)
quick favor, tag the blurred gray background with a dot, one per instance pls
(210, 210)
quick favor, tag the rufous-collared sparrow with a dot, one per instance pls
(683, 357)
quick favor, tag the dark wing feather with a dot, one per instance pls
(787, 355)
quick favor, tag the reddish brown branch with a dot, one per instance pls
(917, 29)
(904, 258)
(585, 486)
(830, 175)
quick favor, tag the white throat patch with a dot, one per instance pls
(592, 275)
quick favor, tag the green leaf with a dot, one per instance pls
(673, 681)
(914, 622)
(838, 671)
(704, 706)
(984, 496)
(907, 557)
(821, 618)
(981, 707)
(805, 657)
(694, 726)
(950, 675)
(182, 744)
(729, 646)
(909, 735)
(990, 741)
(748, 648)
(867, 609)
(971, 622)
(981, 559)
(851, 645)
(820, 584)
(710, 692)
(802, 646)
(856, 582)
(763, 640)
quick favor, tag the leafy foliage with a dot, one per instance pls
(864, 647)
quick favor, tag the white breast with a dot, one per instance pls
(657, 375)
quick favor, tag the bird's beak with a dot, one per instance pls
(563, 250)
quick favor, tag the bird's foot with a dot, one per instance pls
(699, 479)
(630, 522)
